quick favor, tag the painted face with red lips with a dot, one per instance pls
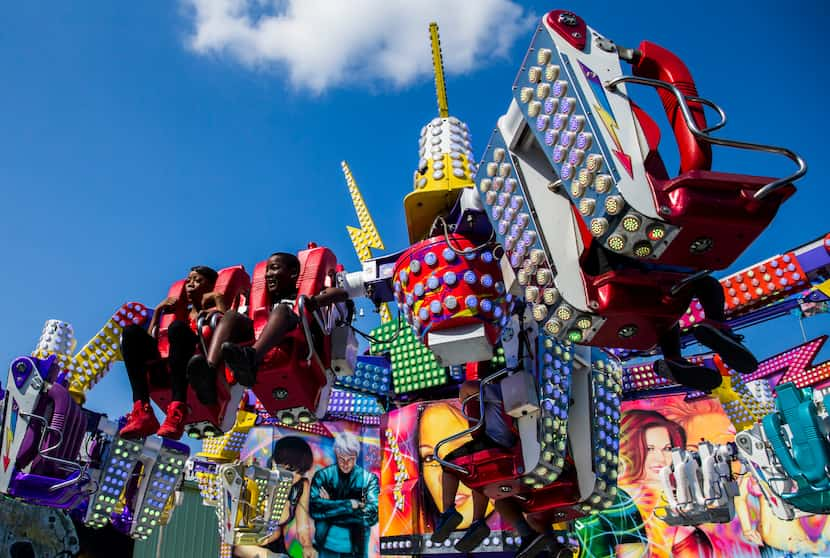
(658, 452)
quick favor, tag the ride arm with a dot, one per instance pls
(218, 299)
(329, 296)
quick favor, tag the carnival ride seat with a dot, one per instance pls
(699, 486)
(294, 381)
(579, 290)
(796, 435)
(234, 283)
(573, 165)
(718, 214)
(636, 306)
(606, 144)
(556, 502)
(251, 501)
(137, 483)
(496, 472)
(44, 430)
(588, 412)
(756, 453)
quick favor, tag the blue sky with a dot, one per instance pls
(140, 139)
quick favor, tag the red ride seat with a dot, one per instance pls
(638, 306)
(556, 502)
(715, 208)
(717, 211)
(630, 300)
(286, 379)
(234, 283)
(495, 472)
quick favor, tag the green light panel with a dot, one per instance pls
(413, 364)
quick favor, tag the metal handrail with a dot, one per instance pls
(474, 428)
(312, 352)
(201, 321)
(44, 451)
(714, 106)
(704, 136)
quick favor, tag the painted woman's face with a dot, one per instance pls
(440, 421)
(658, 452)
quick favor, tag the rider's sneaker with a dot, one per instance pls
(242, 360)
(141, 422)
(173, 426)
(687, 374)
(728, 345)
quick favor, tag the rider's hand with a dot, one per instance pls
(213, 296)
(168, 302)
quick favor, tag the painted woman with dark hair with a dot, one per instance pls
(646, 441)
(293, 454)
(139, 348)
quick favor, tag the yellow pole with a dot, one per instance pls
(438, 69)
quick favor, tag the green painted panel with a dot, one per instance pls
(191, 533)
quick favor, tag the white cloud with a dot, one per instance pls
(326, 43)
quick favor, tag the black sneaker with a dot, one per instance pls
(687, 374)
(532, 547)
(242, 360)
(728, 345)
(476, 533)
(202, 376)
(446, 524)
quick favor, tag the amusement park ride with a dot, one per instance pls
(500, 266)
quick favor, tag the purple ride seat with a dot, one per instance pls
(63, 415)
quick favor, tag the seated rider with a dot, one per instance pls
(713, 333)
(139, 348)
(281, 273)
(495, 433)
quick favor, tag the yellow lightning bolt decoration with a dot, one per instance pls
(366, 237)
(612, 127)
(438, 69)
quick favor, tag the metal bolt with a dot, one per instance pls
(606, 44)
(567, 18)
(576, 35)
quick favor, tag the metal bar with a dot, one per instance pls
(702, 135)
(489, 379)
(716, 108)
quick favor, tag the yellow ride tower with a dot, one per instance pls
(446, 163)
